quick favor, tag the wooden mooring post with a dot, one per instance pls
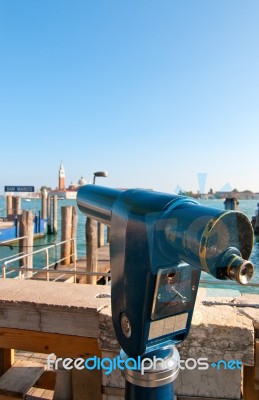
(74, 235)
(91, 249)
(26, 228)
(49, 225)
(17, 205)
(108, 234)
(231, 203)
(44, 196)
(13, 206)
(100, 234)
(68, 231)
(256, 225)
(52, 214)
(9, 206)
(55, 214)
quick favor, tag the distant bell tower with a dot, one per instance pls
(61, 177)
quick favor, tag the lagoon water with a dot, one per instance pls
(248, 207)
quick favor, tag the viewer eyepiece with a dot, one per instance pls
(241, 273)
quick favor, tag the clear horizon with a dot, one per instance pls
(160, 95)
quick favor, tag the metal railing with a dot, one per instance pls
(8, 244)
(8, 268)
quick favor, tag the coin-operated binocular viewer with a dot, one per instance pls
(159, 243)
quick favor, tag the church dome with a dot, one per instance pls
(82, 181)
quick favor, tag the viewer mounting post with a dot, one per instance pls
(159, 243)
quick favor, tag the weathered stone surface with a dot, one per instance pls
(52, 307)
(115, 379)
(219, 332)
(53, 294)
(107, 338)
(225, 384)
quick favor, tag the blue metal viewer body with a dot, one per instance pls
(159, 243)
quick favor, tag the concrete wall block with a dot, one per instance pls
(115, 379)
(211, 383)
(107, 338)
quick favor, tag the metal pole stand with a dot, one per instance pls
(151, 376)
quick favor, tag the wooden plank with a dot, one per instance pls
(33, 391)
(39, 393)
(113, 391)
(87, 384)
(3, 397)
(20, 377)
(6, 359)
(251, 377)
(249, 392)
(47, 343)
(49, 394)
(47, 380)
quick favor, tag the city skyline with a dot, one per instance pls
(201, 178)
(152, 93)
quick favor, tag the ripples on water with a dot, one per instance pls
(248, 207)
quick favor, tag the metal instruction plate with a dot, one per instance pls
(174, 292)
(167, 325)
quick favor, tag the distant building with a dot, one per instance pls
(61, 177)
(82, 181)
(244, 195)
(66, 193)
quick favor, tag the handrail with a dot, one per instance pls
(13, 240)
(64, 271)
(4, 242)
(40, 250)
(60, 272)
(6, 265)
(8, 257)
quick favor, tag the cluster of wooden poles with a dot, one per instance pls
(94, 232)
(13, 206)
(49, 212)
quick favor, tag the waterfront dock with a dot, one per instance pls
(77, 272)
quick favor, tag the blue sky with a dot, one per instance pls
(153, 92)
